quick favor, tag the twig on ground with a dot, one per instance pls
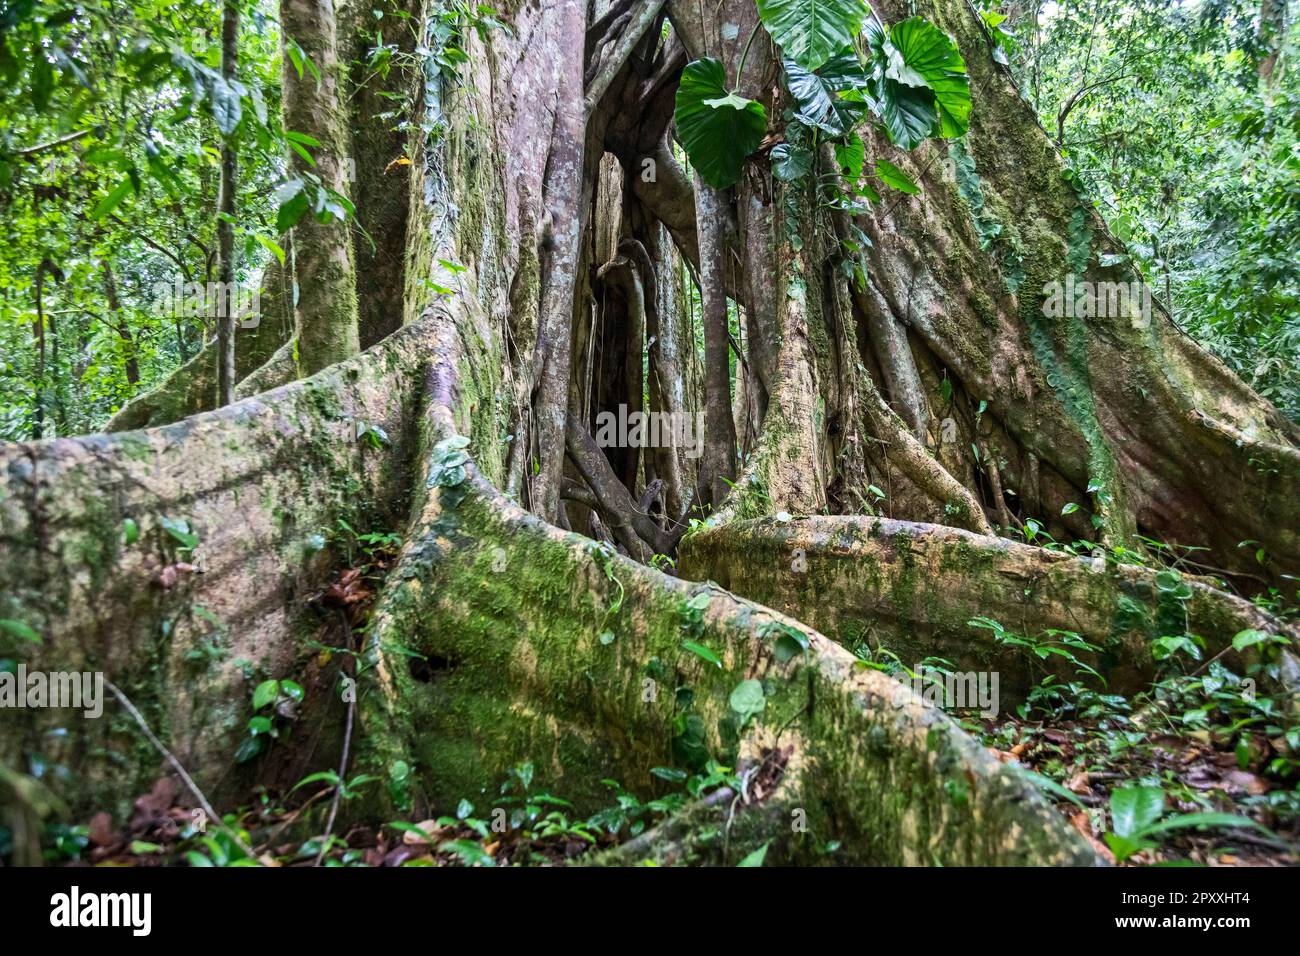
(176, 765)
(343, 760)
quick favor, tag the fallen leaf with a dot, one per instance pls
(100, 830)
(1079, 783)
(433, 833)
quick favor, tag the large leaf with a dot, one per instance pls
(790, 162)
(850, 156)
(226, 108)
(1133, 809)
(908, 112)
(816, 93)
(921, 55)
(810, 32)
(895, 178)
(717, 129)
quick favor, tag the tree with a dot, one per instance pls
(323, 259)
(225, 315)
(879, 234)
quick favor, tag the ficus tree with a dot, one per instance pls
(827, 230)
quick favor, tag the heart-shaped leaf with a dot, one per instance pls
(810, 32)
(922, 55)
(718, 129)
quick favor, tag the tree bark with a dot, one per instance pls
(226, 299)
(718, 466)
(561, 231)
(323, 258)
(515, 666)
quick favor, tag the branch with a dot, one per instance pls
(624, 517)
(176, 765)
(1078, 95)
(645, 16)
(52, 144)
(158, 249)
(596, 33)
(597, 54)
(572, 490)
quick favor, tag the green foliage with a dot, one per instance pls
(1191, 159)
(1136, 816)
(812, 31)
(275, 706)
(109, 148)
(1053, 643)
(717, 129)
(920, 81)
(912, 78)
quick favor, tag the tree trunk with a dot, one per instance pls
(226, 298)
(718, 467)
(1271, 36)
(132, 362)
(323, 259)
(534, 643)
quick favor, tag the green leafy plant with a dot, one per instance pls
(275, 704)
(1054, 643)
(913, 78)
(718, 129)
(810, 32)
(1138, 814)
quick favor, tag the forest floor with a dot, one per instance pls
(1190, 771)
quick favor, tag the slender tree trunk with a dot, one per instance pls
(226, 298)
(132, 363)
(718, 466)
(324, 260)
(561, 239)
(38, 340)
(1272, 33)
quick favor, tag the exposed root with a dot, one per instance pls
(590, 687)
(912, 588)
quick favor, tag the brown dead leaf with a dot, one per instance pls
(349, 589)
(433, 833)
(1079, 783)
(101, 829)
(1246, 781)
(1082, 822)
